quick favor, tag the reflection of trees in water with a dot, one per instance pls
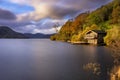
(103, 64)
(115, 48)
(93, 67)
(115, 73)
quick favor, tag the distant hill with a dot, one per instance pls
(6, 32)
(38, 35)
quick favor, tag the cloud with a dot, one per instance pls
(58, 8)
(7, 15)
(32, 16)
(45, 31)
(41, 26)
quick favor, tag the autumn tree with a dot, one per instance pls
(116, 15)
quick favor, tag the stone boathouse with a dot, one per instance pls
(95, 37)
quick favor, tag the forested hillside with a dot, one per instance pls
(106, 18)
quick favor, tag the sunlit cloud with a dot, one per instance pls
(59, 8)
(46, 31)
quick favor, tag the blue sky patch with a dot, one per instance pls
(16, 8)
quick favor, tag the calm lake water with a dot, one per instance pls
(42, 59)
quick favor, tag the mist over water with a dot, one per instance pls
(42, 59)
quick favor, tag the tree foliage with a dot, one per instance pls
(116, 15)
(103, 18)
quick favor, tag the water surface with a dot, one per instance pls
(42, 59)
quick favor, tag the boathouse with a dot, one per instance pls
(95, 37)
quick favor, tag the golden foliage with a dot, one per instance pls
(112, 35)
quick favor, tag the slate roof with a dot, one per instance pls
(99, 31)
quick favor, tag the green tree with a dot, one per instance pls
(116, 15)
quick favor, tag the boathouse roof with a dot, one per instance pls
(97, 31)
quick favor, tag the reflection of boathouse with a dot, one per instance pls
(95, 37)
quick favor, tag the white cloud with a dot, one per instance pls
(42, 26)
(45, 31)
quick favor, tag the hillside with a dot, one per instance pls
(6, 32)
(106, 18)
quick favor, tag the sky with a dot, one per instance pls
(39, 16)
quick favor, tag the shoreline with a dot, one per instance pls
(80, 43)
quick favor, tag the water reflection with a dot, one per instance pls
(47, 60)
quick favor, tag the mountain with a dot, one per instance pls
(37, 35)
(6, 32)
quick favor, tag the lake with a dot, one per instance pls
(42, 59)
